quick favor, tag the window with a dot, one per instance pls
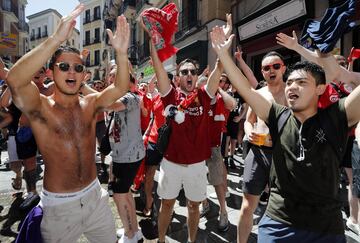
(22, 13)
(87, 16)
(87, 37)
(97, 13)
(39, 32)
(45, 33)
(7, 5)
(32, 37)
(97, 57)
(73, 42)
(97, 35)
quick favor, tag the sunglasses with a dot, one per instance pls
(275, 66)
(186, 72)
(64, 66)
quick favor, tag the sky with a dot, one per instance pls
(64, 7)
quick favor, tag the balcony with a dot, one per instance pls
(187, 20)
(144, 53)
(23, 26)
(44, 34)
(32, 37)
(96, 17)
(38, 36)
(7, 7)
(86, 20)
(92, 41)
(128, 8)
(141, 5)
(154, 2)
(132, 54)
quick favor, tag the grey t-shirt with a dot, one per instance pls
(125, 134)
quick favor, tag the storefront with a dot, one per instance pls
(256, 33)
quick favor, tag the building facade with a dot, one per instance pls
(196, 19)
(43, 24)
(13, 30)
(93, 36)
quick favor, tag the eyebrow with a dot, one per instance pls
(296, 79)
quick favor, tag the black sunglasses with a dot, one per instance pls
(64, 66)
(275, 66)
(186, 72)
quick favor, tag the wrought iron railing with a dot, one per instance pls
(188, 18)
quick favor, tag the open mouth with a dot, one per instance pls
(272, 77)
(189, 82)
(293, 97)
(70, 82)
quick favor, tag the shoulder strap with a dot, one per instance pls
(108, 126)
(330, 132)
(285, 114)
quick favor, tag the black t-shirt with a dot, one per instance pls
(305, 193)
(239, 101)
(16, 114)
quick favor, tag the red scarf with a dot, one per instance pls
(185, 103)
(162, 24)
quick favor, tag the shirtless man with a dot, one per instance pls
(258, 160)
(64, 127)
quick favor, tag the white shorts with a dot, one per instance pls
(86, 212)
(11, 144)
(191, 177)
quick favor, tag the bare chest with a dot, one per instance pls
(277, 97)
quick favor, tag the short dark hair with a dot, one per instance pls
(131, 78)
(187, 60)
(58, 52)
(273, 53)
(315, 70)
(225, 76)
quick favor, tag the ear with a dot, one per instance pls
(320, 89)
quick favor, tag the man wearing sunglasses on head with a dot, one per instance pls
(63, 124)
(258, 160)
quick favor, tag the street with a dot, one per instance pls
(177, 231)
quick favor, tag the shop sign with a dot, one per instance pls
(148, 71)
(278, 16)
(8, 43)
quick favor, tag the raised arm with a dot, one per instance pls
(120, 42)
(161, 75)
(221, 45)
(212, 83)
(332, 69)
(245, 68)
(25, 94)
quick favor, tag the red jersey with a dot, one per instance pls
(158, 116)
(217, 121)
(332, 94)
(145, 120)
(189, 141)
